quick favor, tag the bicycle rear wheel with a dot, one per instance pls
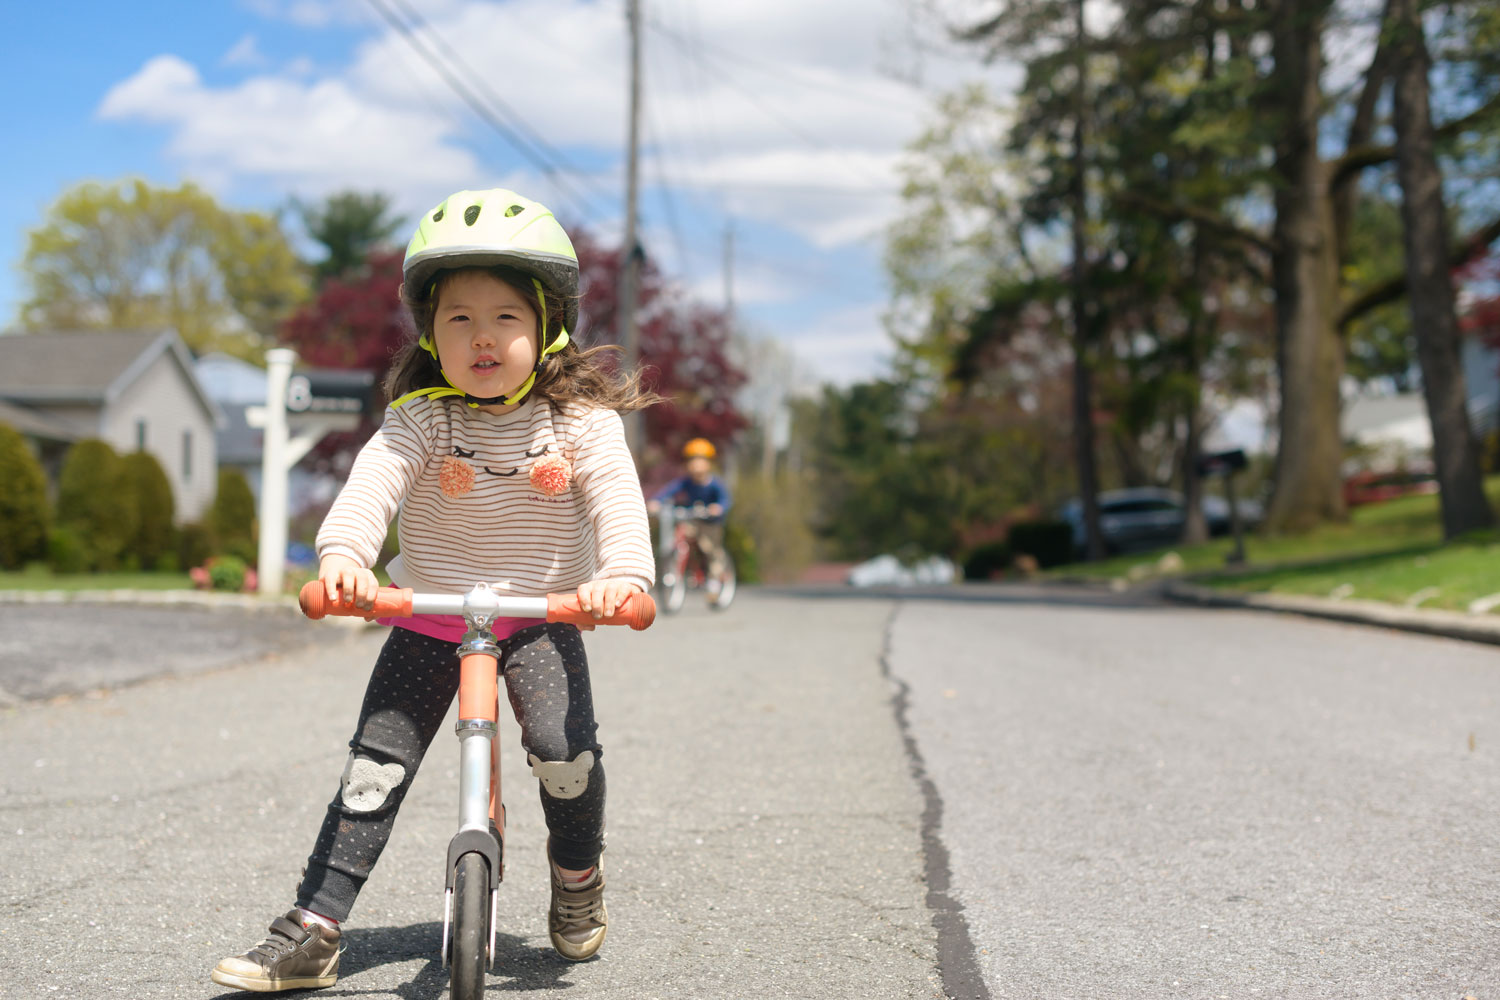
(471, 926)
(673, 591)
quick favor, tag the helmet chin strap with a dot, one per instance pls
(434, 392)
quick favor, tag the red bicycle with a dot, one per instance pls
(682, 565)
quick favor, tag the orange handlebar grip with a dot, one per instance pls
(638, 611)
(389, 603)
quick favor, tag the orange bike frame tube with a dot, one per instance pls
(478, 687)
(478, 698)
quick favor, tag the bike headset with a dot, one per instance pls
(515, 232)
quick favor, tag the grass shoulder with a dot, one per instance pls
(1392, 552)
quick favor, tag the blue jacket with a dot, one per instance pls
(683, 492)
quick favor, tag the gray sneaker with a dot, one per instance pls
(578, 920)
(293, 957)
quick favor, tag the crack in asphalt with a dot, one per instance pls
(957, 961)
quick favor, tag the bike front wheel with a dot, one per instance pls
(727, 585)
(471, 926)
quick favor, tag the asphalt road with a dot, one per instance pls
(1017, 793)
(764, 836)
(1157, 802)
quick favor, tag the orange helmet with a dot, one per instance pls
(699, 448)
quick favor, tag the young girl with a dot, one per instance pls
(505, 457)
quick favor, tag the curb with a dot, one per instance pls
(168, 598)
(1450, 624)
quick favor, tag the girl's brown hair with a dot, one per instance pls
(570, 376)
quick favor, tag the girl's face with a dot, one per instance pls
(486, 333)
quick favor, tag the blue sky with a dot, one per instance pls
(782, 119)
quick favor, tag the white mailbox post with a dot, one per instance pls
(295, 418)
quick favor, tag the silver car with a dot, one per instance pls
(1149, 517)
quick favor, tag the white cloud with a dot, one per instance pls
(776, 111)
(845, 345)
(245, 52)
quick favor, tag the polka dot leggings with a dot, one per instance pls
(414, 682)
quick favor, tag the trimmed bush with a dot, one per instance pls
(195, 543)
(227, 573)
(985, 561)
(66, 551)
(23, 502)
(1050, 543)
(145, 487)
(232, 517)
(88, 503)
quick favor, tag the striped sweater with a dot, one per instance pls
(470, 511)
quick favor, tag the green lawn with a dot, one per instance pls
(41, 578)
(1387, 552)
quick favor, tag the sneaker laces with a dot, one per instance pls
(275, 945)
(580, 906)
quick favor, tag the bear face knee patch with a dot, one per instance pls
(563, 779)
(366, 785)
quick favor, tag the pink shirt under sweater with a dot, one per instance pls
(451, 628)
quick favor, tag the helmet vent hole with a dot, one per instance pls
(471, 214)
(437, 216)
(514, 210)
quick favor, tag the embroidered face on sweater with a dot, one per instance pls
(548, 473)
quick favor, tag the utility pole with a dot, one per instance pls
(630, 251)
(1083, 403)
(729, 274)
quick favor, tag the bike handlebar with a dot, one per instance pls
(637, 610)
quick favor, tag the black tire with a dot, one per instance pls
(469, 949)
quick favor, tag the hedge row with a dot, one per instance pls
(113, 512)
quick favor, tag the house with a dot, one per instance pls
(136, 390)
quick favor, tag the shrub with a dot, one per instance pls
(232, 517)
(227, 573)
(66, 551)
(195, 543)
(1050, 543)
(23, 502)
(741, 548)
(985, 561)
(144, 486)
(88, 502)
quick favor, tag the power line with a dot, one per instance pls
(511, 133)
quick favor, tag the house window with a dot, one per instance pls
(187, 456)
(140, 435)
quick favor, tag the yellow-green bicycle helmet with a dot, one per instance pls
(485, 229)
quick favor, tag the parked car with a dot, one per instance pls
(1149, 517)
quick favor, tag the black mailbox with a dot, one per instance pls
(1221, 463)
(330, 390)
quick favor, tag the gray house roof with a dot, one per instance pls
(88, 367)
(33, 424)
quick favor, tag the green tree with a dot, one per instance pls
(232, 517)
(144, 487)
(89, 504)
(127, 255)
(23, 502)
(349, 225)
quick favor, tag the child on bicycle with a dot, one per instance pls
(706, 495)
(505, 457)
